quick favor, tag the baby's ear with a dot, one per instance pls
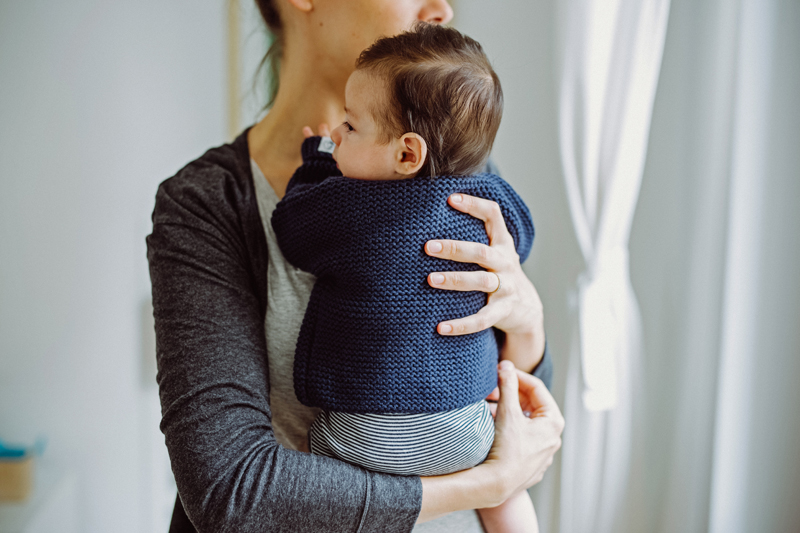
(412, 150)
(302, 5)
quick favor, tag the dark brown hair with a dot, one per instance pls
(441, 87)
(269, 12)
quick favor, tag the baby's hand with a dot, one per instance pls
(324, 131)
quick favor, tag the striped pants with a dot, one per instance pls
(423, 444)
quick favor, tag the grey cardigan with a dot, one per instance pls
(208, 267)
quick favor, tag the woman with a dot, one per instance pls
(230, 418)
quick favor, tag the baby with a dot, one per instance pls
(422, 111)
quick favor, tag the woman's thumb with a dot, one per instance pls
(509, 387)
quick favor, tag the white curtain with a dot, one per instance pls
(692, 426)
(610, 66)
(731, 462)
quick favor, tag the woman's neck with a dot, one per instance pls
(304, 98)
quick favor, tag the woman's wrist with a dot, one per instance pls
(524, 330)
(524, 349)
(475, 488)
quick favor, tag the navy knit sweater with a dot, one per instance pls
(368, 342)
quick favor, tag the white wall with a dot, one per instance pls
(100, 102)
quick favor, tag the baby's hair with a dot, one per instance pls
(442, 87)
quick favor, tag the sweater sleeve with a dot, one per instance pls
(318, 164)
(544, 370)
(299, 213)
(231, 473)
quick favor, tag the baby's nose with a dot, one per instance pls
(336, 135)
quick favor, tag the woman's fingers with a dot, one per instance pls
(465, 281)
(509, 390)
(535, 398)
(487, 317)
(516, 307)
(508, 451)
(546, 420)
(486, 210)
(523, 447)
(548, 430)
(324, 131)
(466, 252)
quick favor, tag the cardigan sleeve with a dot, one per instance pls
(231, 473)
(298, 213)
(318, 164)
(544, 370)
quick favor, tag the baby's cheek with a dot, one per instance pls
(343, 162)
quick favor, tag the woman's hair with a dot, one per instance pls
(442, 87)
(269, 12)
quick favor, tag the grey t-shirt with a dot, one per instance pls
(288, 291)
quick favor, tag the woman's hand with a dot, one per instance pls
(528, 426)
(513, 305)
(523, 449)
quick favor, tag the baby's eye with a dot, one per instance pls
(348, 126)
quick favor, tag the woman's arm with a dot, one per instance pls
(523, 450)
(231, 473)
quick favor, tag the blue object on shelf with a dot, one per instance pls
(7, 452)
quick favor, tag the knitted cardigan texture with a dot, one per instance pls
(368, 342)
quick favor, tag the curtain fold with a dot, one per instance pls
(611, 61)
(612, 58)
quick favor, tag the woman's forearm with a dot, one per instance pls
(468, 489)
(525, 350)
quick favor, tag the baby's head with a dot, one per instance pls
(425, 102)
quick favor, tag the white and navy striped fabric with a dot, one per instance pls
(422, 444)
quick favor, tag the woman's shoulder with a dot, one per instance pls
(214, 197)
(210, 207)
(222, 175)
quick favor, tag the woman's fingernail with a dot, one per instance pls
(506, 365)
(456, 198)
(435, 247)
(437, 279)
(445, 328)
